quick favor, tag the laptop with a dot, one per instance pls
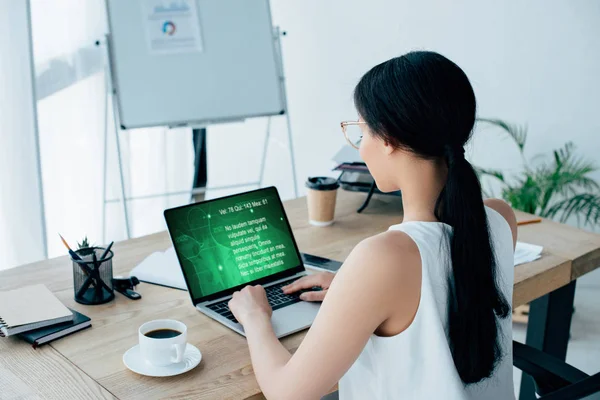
(227, 243)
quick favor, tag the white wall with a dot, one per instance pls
(534, 62)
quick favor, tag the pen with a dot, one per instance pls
(106, 251)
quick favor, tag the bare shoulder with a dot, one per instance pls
(388, 268)
(388, 254)
(389, 245)
(502, 208)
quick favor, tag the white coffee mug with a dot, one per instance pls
(163, 351)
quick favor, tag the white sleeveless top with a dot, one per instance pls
(417, 363)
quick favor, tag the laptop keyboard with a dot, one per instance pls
(277, 299)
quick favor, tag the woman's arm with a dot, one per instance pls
(502, 208)
(362, 296)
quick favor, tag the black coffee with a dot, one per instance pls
(162, 333)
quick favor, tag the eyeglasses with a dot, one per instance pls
(352, 132)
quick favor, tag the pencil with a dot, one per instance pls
(529, 221)
(71, 252)
(75, 256)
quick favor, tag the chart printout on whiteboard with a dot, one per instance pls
(172, 26)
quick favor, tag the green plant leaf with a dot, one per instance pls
(549, 180)
(574, 172)
(84, 243)
(584, 206)
(489, 172)
(516, 132)
(524, 195)
(566, 176)
(557, 187)
(85, 248)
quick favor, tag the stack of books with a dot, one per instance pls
(37, 316)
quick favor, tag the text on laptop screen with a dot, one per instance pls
(232, 241)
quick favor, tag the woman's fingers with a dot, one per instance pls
(306, 282)
(313, 296)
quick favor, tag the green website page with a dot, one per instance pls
(232, 241)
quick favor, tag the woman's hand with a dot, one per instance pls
(322, 280)
(250, 302)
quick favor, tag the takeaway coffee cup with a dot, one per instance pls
(321, 197)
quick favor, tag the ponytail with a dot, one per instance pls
(474, 300)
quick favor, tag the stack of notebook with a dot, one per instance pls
(36, 315)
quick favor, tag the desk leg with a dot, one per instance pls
(548, 329)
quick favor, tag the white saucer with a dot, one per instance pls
(134, 361)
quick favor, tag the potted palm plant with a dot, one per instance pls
(557, 187)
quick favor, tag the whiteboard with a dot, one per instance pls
(232, 74)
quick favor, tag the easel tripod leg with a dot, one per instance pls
(264, 155)
(293, 161)
(121, 174)
(105, 167)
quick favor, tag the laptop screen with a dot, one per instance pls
(229, 242)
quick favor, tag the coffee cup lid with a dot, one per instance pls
(322, 183)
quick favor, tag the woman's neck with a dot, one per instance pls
(421, 183)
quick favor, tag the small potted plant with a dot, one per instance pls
(84, 248)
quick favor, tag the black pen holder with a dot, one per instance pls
(92, 276)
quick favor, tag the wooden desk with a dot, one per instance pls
(89, 364)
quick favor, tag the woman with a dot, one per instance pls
(421, 311)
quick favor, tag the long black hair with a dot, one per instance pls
(424, 103)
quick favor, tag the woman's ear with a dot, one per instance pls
(387, 147)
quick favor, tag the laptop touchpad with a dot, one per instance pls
(294, 318)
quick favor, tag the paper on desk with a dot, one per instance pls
(162, 269)
(525, 252)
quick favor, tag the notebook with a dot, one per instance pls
(29, 308)
(161, 268)
(41, 336)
